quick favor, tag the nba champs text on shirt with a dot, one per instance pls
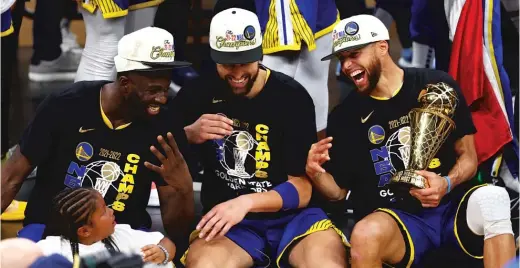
(244, 157)
(105, 174)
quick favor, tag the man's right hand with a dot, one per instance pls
(208, 127)
(318, 154)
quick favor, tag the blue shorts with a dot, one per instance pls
(443, 226)
(7, 23)
(117, 8)
(267, 241)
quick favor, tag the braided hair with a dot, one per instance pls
(72, 209)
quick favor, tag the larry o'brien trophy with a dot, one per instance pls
(430, 125)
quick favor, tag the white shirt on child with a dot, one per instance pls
(127, 240)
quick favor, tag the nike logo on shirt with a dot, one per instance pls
(363, 120)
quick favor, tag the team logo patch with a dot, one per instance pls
(249, 32)
(237, 41)
(376, 134)
(351, 28)
(84, 151)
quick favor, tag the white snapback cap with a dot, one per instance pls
(235, 37)
(356, 32)
(147, 49)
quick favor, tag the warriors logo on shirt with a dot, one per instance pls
(233, 151)
(244, 158)
(102, 175)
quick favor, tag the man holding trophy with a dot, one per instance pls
(404, 148)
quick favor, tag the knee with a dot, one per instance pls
(199, 259)
(488, 212)
(367, 231)
(331, 252)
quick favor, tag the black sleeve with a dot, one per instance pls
(188, 102)
(339, 164)
(299, 132)
(462, 117)
(37, 138)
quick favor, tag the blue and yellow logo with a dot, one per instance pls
(84, 151)
(351, 28)
(249, 32)
(376, 134)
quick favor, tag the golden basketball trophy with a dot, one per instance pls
(430, 125)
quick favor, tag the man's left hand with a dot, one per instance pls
(222, 217)
(431, 197)
(173, 169)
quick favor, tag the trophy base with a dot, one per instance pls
(408, 178)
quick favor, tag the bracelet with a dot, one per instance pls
(166, 254)
(449, 183)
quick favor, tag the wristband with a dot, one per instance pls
(449, 183)
(289, 195)
(166, 254)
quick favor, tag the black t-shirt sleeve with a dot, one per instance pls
(37, 138)
(339, 165)
(300, 131)
(188, 102)
(462, 117)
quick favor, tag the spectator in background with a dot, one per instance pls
(106, 22)
(50, 60)
(296, 34)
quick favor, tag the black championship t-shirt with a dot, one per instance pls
(372, 141)
(72, 144)
(272, 134)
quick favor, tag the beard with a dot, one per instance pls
(137, 107)
(241, 92)
(373, 75)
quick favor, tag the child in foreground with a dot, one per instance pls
(82, 225)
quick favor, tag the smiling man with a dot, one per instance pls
(369, 141)
(106, 135)
(253, 147)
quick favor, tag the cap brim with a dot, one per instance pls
(154, 66)
(328, 57)
(240, 57)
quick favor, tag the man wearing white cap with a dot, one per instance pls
(369, 141)
(254, 148)
(107, 135)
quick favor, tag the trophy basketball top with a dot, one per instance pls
(439, 97)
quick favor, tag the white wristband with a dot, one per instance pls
(166, 254)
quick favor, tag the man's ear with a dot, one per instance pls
(124, 83)
(84, 231)
(383, 47)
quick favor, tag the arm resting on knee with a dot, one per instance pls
(273, 201)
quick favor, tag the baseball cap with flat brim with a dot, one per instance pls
(235, 37)
(355, 33)
(147, 49)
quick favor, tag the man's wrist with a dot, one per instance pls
(246, 201)
(448, 186)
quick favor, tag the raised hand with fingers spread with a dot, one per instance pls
(318, 154)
